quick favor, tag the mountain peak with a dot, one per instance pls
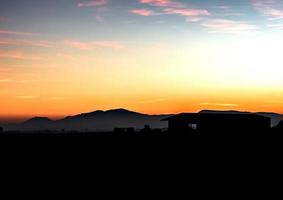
(223, 112)
(121, 111)
(38, 120)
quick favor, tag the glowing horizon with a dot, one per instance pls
(150, 56)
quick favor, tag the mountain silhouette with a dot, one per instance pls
(275, 118)
(104, 121)
(38, 120)
(93, 121)
(223, 112)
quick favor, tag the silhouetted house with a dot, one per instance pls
(146, 130)
(279, 126)
(217, 123)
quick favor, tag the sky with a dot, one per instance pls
(63, 57)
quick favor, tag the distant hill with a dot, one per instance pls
(108, 120)
(275, 118)
(93, 121)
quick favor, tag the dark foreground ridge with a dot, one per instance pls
(190, 133)
(209, 140)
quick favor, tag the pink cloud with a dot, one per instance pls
(92, 3)
(17, 55)
(109, 44)
(93, 45)
(66, 43)
(269, 8)
(228, 26)
(162, 3)
(274, 13)
(9, 32)
(16, 42)
(169, 8)
(79, 45)
(143, 12)
(186, 12)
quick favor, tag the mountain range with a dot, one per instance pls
(102, 121)
(99, 121)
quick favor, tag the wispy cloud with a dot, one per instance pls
(142, 12)
(27, 97)
(186, 12)
(162, 3)
(94, 45)
(18, 42)
(18, 55)
(58, 44)
(228, 26)
(219, 104)
(5, 80)
(109, 44)
(269, 8)
(169, 7)
(228, 11)
(79, 45)
(4, 69)
(16, 80)
(92, 3)
(100, 7)
(10, 32)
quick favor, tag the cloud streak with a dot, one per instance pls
(228, 26)
(169, 7)
(10, 32)
(18, 42)
(27, 97)
(93, 45)
(269, 8)
(76, 44)
(92, 3)
(219, 104)
(143, 12)
(186, 12)
(18, 55)
(162, 3)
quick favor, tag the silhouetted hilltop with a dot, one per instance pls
(33, 124)
(38, 120)
(223, 112)
(102, 121)
(101, 113)
(93, 121)
(275, 118)
(110, 119)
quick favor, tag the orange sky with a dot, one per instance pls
(166, 58)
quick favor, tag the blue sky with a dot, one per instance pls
(125, 18)
(180, 55)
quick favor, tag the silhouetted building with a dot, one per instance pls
(280, 125)
(217, 123)
(1, 129)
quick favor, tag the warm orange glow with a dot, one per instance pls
(150, 79)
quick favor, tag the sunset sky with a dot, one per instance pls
(63, 57)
